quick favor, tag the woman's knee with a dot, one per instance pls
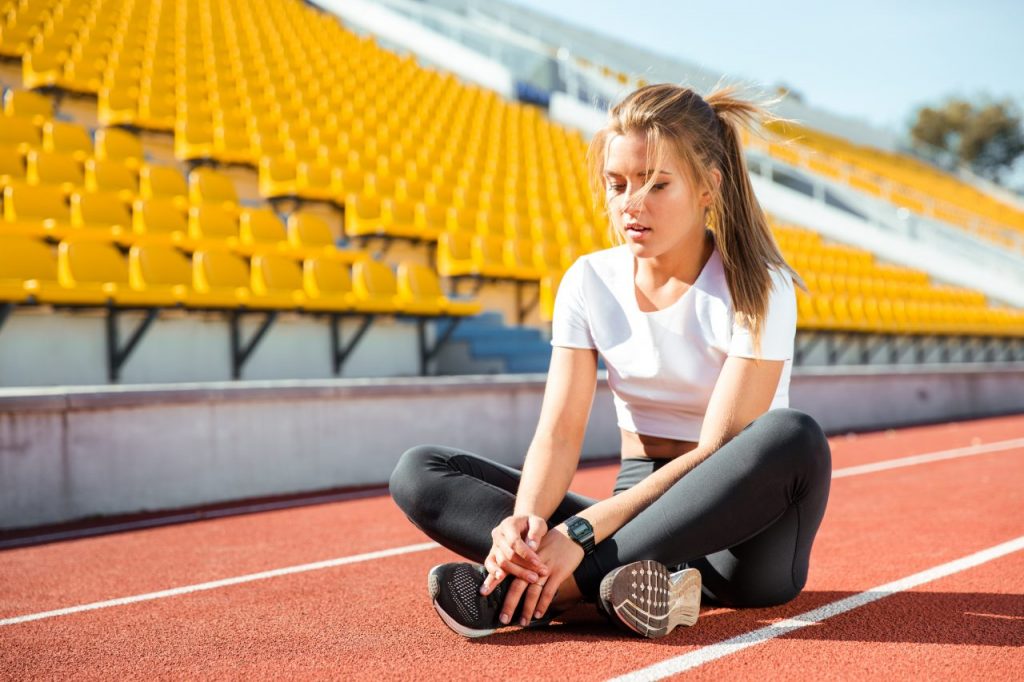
(797, 435)
(410, 480)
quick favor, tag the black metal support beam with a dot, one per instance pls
(241, 352)
(524, 308)
(427, 352)
(340, 351)
(117, 355)
(6, 309)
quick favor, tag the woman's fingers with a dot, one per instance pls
(512, 567)
(512, 597)
(528, 555)
(545, 594)
(498, 569)
(510, 540)
(533, 593)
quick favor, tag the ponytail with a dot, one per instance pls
(744, 239)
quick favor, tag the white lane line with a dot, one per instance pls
(214, 584)
(693, 659)
(928, 457)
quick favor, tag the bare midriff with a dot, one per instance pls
(635, 445)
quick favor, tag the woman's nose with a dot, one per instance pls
(632, 204)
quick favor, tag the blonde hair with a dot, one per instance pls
(703, 135)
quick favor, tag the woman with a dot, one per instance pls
(694, 316)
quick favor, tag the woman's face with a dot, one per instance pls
(670, 217)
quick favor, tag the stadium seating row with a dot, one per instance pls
(903, 181)
(90, 272)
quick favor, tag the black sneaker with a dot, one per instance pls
(649, 600)
(455, 591)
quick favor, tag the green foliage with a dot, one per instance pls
(986, 136)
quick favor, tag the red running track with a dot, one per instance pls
(372, 619)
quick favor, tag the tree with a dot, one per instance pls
(988, 136)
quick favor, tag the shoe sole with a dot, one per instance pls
(434, 588)
(649, 600)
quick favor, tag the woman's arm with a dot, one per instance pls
(554, 453)
(743, 392)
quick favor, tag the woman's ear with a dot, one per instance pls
(707, 196)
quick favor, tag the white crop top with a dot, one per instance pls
(663, 365)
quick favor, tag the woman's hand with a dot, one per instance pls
(561, 556)
(513, 552)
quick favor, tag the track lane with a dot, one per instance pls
(968, 625)
(330, 631)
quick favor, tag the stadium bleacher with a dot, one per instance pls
(319, 115)
(901, 180)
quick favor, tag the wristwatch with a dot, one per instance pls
(581, 532)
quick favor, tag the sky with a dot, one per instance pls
(874, 60)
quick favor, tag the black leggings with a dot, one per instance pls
(745, 517)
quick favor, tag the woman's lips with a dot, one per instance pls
(636, 230)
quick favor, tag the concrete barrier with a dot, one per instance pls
(76, 453)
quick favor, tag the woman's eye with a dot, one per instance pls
(660, 186)
(616, 188)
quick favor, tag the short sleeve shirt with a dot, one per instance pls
(663, 365)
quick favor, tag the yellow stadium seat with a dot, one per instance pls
(318, 181)
(12, 166)
(461, 220)
(547, 257)
(455, 255)
(42, 68)
(278, 177)
(192, 142)
(111, 176)
(54, 168)
(84, 73)
(100, 214)
(163, 181)
(231, 142)
(19, 133)
(28, 271)
(260, 230)
(118, 105)
(375, 287)
(114, 144)
(518, 257)
(92, 266)
(220, 279)
(35, 210)
(152, 267)
(429, 221)
(160, 221)
(207, 186)
(328, 285)
(67, 138)
(212, 226)
(363, 216)
(310, 236)
(489, 257)
(277, 276)
(27, 104)
(420, 292)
